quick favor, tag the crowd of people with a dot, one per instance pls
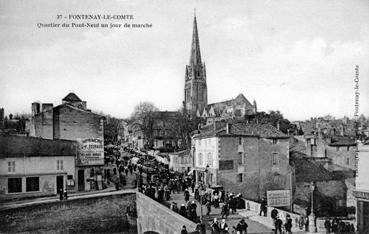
(158, 182)
(338, 226)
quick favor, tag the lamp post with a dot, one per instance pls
(312, 227)
(201, 196)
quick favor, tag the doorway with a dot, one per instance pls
(59, 183)
(81, 180)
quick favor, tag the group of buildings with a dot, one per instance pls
(228, 149)
(63, 149)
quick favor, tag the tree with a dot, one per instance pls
(187, 126)
(274, 118)
(111, 130)
(143, 109)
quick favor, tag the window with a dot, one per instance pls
(275, 141)
(11, 166)
(70, 181)
(210, 160)
(348, 161)
(348, 148)
(239, 178)
(240, 158)
(59, 165)
(225, 164)
(200, 159)
(14, 185)
(32, 184)
(239, 141)
(275, 160)
(92, 172)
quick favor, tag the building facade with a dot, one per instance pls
(32, 167)
(250, 159)
(362, 188)
(238, 108)
(73, 121)
(180, 161)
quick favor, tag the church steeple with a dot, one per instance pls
(196, 94)
(195, 58)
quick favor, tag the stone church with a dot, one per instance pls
(196, 92)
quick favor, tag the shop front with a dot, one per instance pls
(362, 211)
(90, 163)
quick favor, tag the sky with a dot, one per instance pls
(297, 57)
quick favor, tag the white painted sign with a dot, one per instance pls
(90, 152)
(277, 198)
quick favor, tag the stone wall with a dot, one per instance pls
(71, 124)
(258, 173)
(97, 213)
(153, 216)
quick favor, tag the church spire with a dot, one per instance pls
(195, 58)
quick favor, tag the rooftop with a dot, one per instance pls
(307, 170)
(242, 129)
(20, 146)
(71, 97)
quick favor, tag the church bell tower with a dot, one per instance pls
(195, 90)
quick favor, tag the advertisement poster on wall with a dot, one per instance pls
(278, 198)
(90, 152)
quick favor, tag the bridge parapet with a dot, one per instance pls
(155, 217)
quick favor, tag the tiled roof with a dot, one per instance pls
(297, 145)
(19, 146)
(262, 130)
(307, 170)
(242, 128)
(342, 141)
(77, 109)
(72, 97)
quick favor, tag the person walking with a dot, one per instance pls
(327, 225)
(223, 227)
(187, 195)
(288, 224)
(225, 210)
(208, 207)
(278, 225)
(184, 230)
(241, 227)
(65, 194)
(61, 194)
(215, 227)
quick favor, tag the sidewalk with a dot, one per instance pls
(71, 196)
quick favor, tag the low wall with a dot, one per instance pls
(254, 206)
(92, 213)
(153, 216)
(98, 213)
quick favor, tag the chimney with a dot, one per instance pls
(228, 128)
(35, 108)
(84, 105)
(47, 106)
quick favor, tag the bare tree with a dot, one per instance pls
(142, 110)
